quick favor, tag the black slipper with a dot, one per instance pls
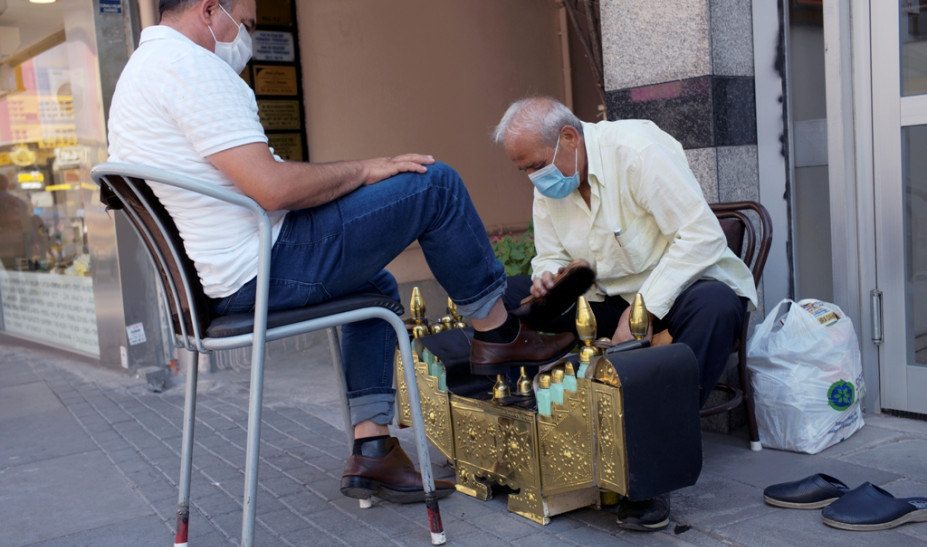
(868, 507)
(811, 492)
(569, 285)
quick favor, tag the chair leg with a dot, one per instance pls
(186, 455)
(747, 389)
(438, 537)
(253, 443)
(338, 362)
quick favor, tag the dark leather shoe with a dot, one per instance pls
(569, 285)
(529, 348)
(644, 516)
(811, 492)
(391, 477)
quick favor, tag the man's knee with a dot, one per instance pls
(385, 283)
(716, 298)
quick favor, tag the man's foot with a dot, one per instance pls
(644, 516)
(529, 348)
(569, 285)
(384, 470)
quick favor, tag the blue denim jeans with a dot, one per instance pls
(342, 247)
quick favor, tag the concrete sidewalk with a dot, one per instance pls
(91, 457)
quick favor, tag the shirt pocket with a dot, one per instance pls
(642, 245)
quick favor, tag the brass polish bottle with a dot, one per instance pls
(556, 384)
(542, 396)
(569, 377)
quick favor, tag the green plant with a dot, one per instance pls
(515, 253)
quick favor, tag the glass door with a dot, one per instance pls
(899, 96)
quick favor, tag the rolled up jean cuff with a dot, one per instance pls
(378, 407)
(480, 308)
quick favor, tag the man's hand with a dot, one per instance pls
(623, 332)
(377, 169)
(542, 284)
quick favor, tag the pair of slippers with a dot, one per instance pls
(864, 508)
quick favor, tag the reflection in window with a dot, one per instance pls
(914, 141)
(41, 162)
(913, 43)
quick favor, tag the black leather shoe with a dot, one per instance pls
(390, 477)
(571, 283)
(644, 516)
(529, 348)
(811, 492)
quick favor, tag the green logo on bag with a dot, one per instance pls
(841, 395)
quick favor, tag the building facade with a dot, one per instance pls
(814, 108)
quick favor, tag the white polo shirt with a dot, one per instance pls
(647, 229)
(175, 104)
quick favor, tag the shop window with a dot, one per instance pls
(51, 132)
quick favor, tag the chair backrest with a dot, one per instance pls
(743, 236)
(190, 309)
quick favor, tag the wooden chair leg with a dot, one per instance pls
(749, 407)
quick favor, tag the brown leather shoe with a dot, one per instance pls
(391, 477)
(571, 283)
(529, 348)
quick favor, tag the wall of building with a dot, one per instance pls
(688, 66)
(384, 78)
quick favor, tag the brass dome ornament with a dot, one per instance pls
(417, 306)
(639, 318)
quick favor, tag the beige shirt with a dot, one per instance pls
(647, 228)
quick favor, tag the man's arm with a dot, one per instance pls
(293, 185)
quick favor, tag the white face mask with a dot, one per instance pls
(236, 53)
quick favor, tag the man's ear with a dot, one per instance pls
(206, 10)
(569, 136)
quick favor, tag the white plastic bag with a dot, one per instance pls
(806, 375)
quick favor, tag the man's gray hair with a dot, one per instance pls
(165, 6)
(544, 116)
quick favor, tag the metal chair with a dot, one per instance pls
(197, 329)
(736, 219)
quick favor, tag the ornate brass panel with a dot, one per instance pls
(566, 443)
(499, 445)
(610, 456)
(436, 410)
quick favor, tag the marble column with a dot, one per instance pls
(688, 66)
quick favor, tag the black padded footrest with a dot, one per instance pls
(225, 326)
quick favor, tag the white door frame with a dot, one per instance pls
(902, 383)
(848, 80)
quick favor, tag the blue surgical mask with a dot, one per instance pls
(236, 53)
(551, 182)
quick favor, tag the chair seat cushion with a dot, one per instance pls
(224, 326)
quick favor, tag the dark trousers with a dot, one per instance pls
(707, 317)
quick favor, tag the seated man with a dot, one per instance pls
(628, 204)
(181, 105)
